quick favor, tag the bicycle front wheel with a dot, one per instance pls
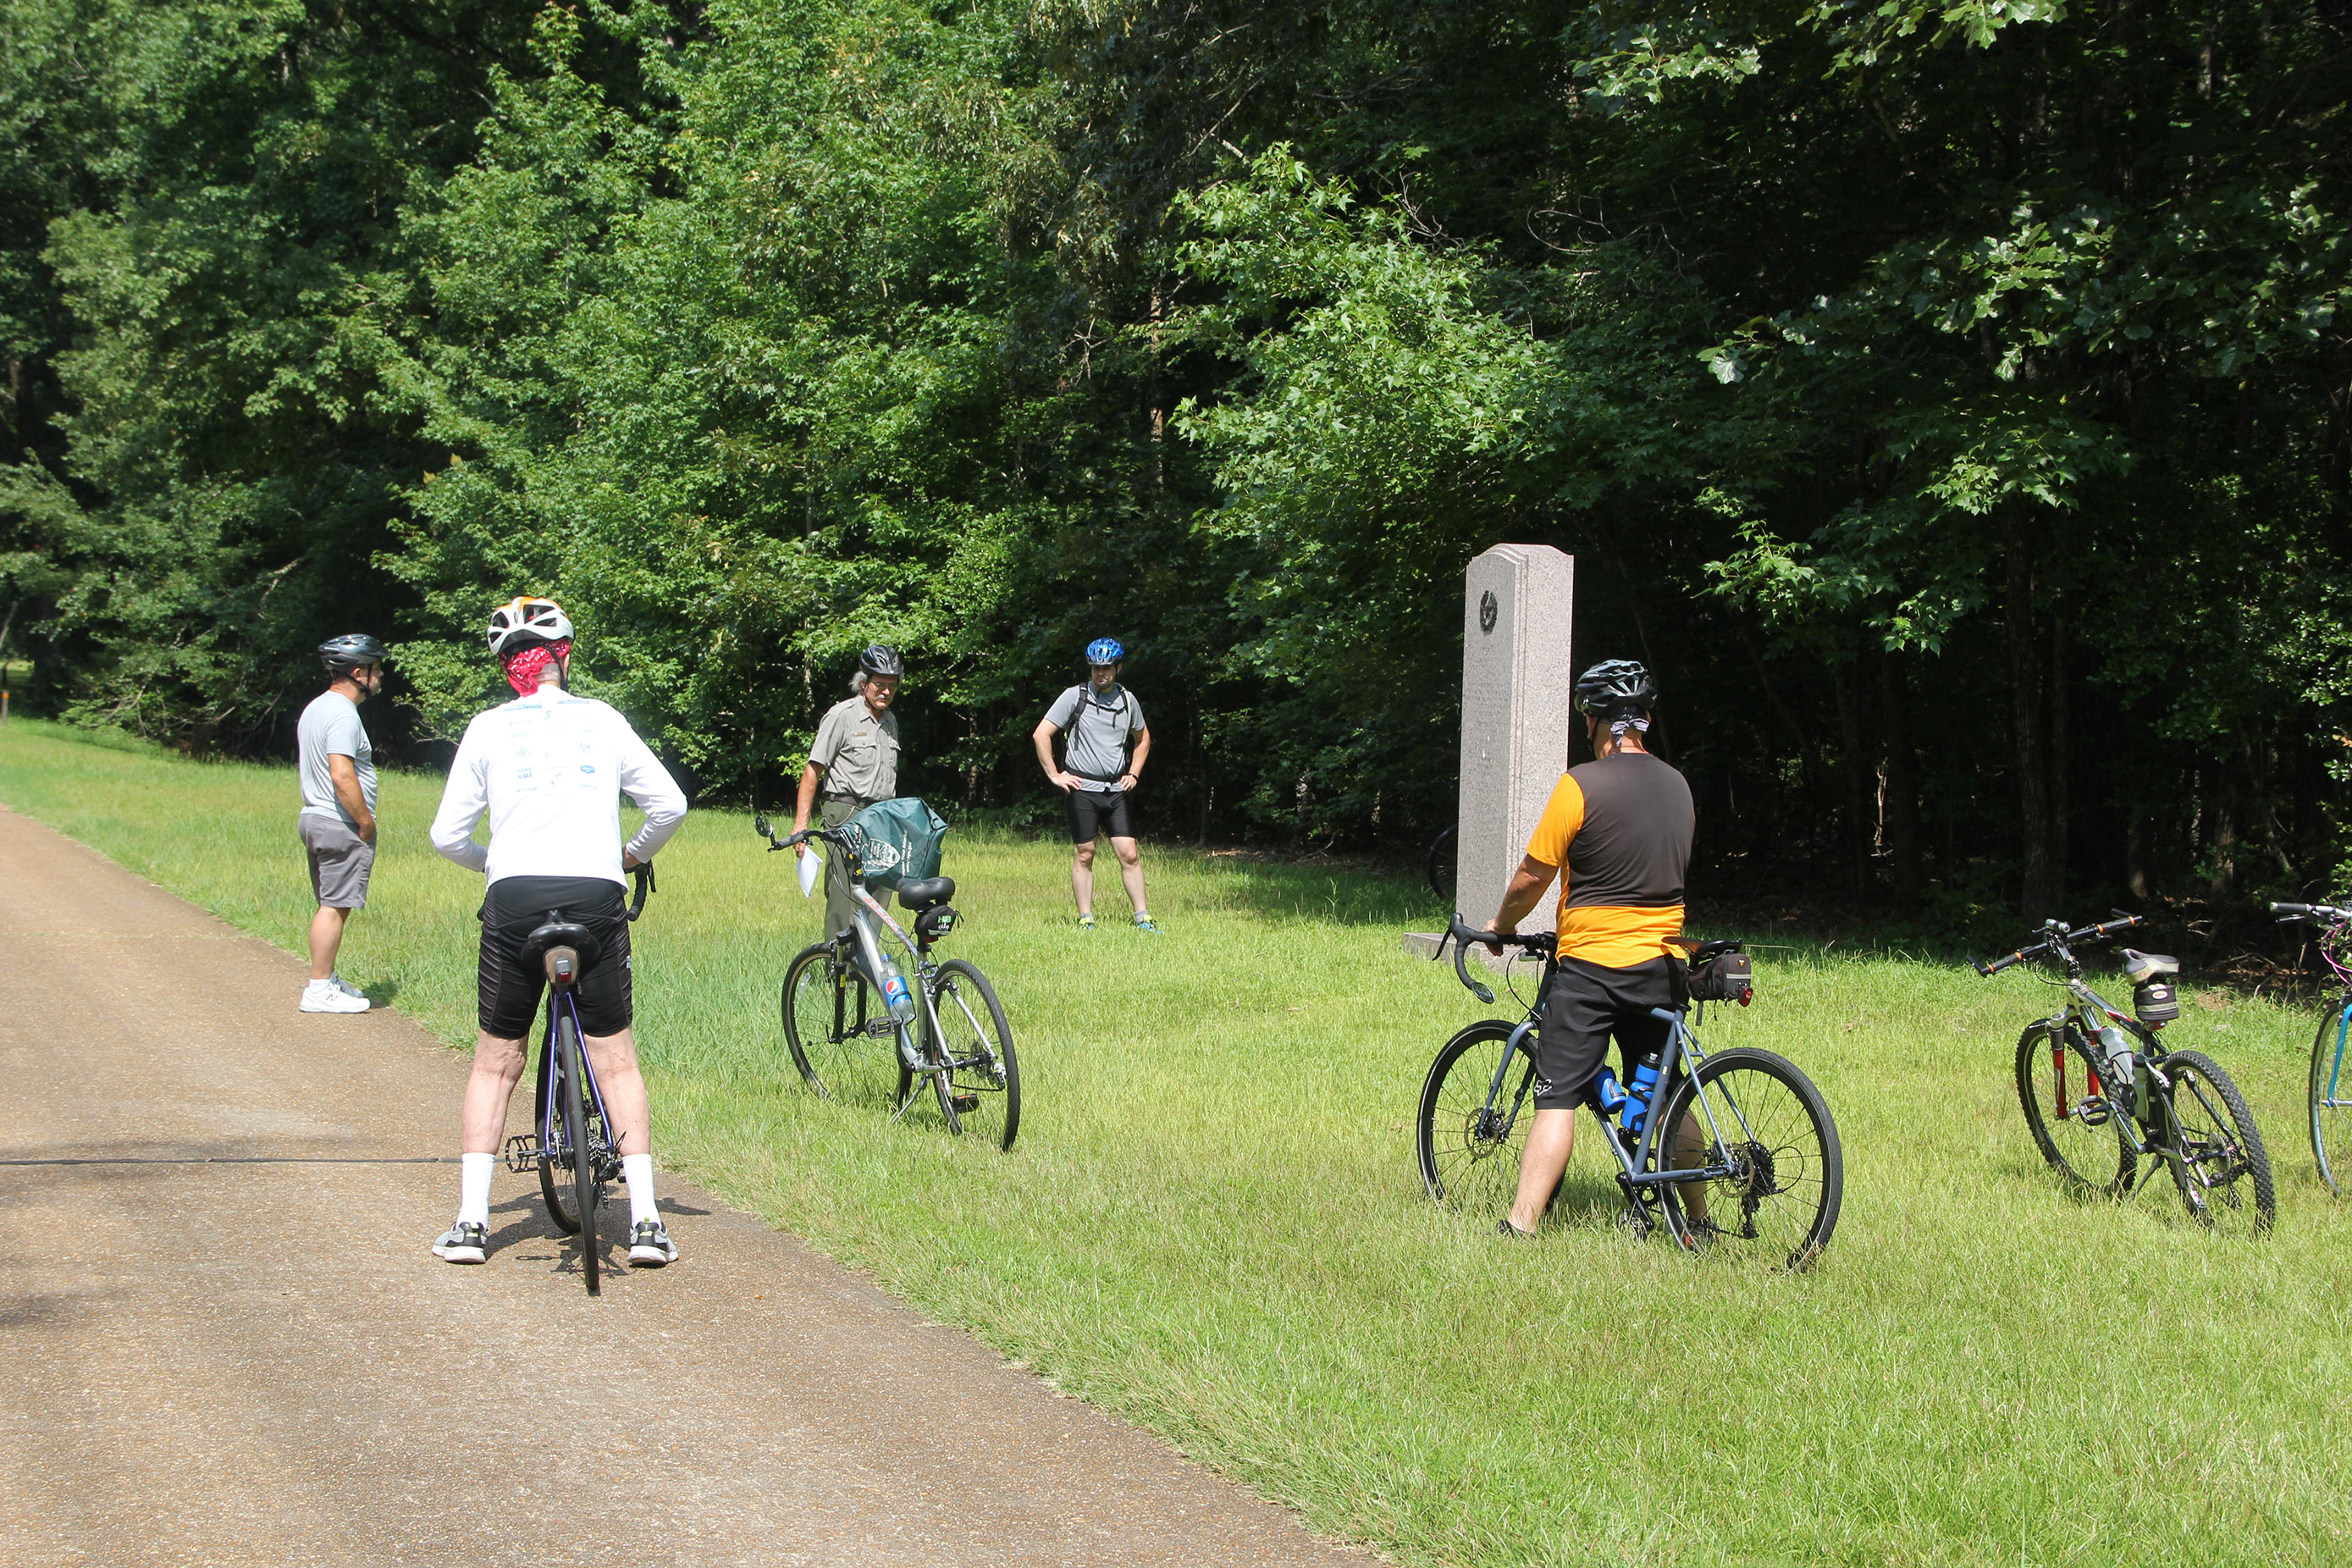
(830, 1011)
(1758, 1119)
(1470, 1134)
(571, 1068)
(2331, 1098)
(983, 1077)
(2220, 1165)
(2084, 1137)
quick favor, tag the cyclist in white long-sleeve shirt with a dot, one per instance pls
(549, 770)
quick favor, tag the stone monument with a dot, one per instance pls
(1519, 710)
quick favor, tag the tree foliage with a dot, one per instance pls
(1952, 402)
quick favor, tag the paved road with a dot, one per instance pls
(261, 1364)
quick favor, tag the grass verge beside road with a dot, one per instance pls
(1212, 1224)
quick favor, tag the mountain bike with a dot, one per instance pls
(2100, 1090)
(2330, 1089)
(574, 1151)
(1750, 1168)
(858, 1032)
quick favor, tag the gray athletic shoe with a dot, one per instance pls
(650, 1246)
(463, 1243)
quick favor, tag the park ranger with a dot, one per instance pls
(854, 763)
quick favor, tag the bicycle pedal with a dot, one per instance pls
(964, 1103)
(521, 1154)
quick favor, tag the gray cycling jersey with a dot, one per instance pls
(331, 727)
(1095, 728)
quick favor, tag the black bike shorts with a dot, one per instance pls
(1095, 812)
(510, 990)
(1586, 1004)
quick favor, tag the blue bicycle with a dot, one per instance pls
(574, 1151)
(2331, 1087)
(1751, 1168)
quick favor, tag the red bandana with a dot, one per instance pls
(523, 669)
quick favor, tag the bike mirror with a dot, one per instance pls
(759, 825)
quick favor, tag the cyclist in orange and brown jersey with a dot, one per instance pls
(1617, 835)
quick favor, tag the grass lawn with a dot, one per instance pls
(1212, 1224)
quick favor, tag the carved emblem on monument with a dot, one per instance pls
(1488, 610)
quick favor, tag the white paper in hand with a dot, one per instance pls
(808, 873)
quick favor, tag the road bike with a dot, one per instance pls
(1752, 1168)
(858, 1032)
(574, 1149)
(2330, 1089)
(2100, 1090)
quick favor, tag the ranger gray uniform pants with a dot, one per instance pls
(840, 909)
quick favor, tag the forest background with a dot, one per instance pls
(1951, 404)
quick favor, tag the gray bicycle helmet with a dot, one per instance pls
(352, 650)
(1615, 688)
(880, 658)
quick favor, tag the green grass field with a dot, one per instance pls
(1213, 1225)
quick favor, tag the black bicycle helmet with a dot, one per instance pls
(352, 650)
(880, 658)
(1614, 689)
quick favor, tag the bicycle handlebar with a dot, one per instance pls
(2059, 937)
(643, 877)
(1464, 933)
(2291, 912)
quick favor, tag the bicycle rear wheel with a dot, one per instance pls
(1756, 1115)
(2087, 1140)
(555, 1141)
(984, 1080)
(2331, 1098)
(571, 1069)
(828, 1008)
(1469, 1151)
(2221, 1166)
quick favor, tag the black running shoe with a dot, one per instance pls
(650, 1247)
(463, 1243)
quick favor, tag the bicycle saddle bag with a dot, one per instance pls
(1723, 975)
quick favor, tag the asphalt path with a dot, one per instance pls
(226, 1363)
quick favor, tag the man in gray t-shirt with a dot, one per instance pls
(854, 759)
(337, 824)
(1100, 721)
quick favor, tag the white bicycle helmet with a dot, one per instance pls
(527, 622)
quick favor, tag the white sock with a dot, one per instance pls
(473, 1188)
(637, 1170)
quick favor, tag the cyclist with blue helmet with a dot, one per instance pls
(1105, 743)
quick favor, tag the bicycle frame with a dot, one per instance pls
(1682, 1046)
(2074, 1027)
(2331, 952)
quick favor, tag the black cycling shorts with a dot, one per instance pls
(510, 992)
(1587, 1003)
(1095, 812)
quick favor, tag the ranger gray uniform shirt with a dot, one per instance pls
(331, 727)
(858, 752)
(1095, 731)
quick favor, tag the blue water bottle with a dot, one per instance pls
(1638, 1092)
(1608, 1091)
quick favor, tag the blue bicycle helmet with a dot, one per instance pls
(1105, 650)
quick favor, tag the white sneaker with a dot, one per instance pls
(345, 986)
(326, 996)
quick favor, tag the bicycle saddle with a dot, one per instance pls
(2138, 966)
(561, 932)
(922, 892)
(1707, 950)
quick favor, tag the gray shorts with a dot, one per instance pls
(339, 861)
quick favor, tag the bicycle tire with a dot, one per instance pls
(1777, 1156)
(555, 1147)
(2332, 1122)
(584, 1157)
(1469, 1160)
(2231, 1164)
(827, 1002)
(986, 1072)
(2049, 1082)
